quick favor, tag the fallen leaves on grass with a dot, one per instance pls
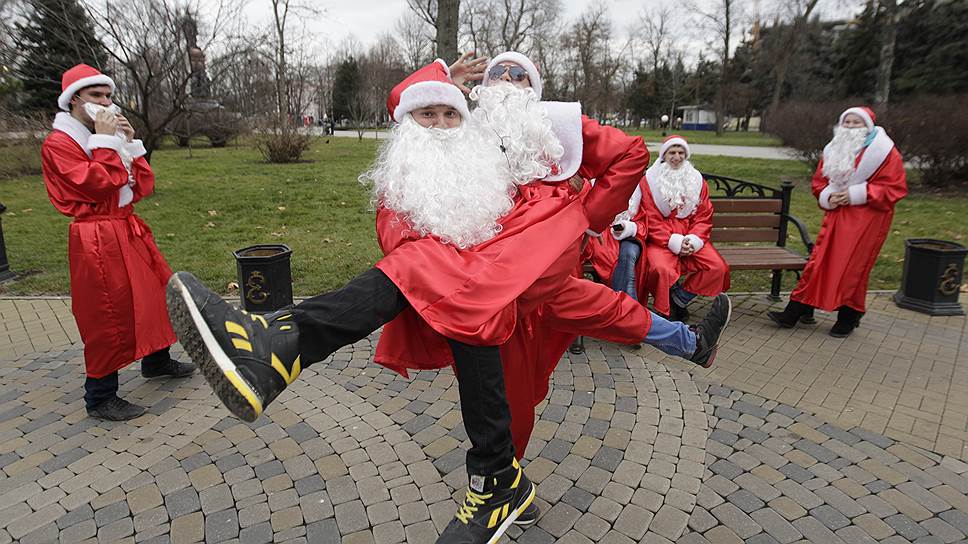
(212, 213)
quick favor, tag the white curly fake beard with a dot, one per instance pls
(841, 154)
(515, 119)
(449, 183)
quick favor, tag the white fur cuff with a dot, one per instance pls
(858, 194)
(106, 141)
(824, 198)
(136, 148)
(695, 241)
(628, 230)
(675, 243)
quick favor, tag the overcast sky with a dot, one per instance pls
(367, 19)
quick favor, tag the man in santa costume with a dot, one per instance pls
(468, 243)
(679, 213)
(857, 183)
(616, 256)
(95, 171)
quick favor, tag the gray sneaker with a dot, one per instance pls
(116, 409)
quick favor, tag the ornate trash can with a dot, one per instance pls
(932, 278)
(265, 277)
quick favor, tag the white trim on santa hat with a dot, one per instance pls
(430, 93)
(64, 100)
(565, 120)
(859, 112)
(521, 60)
(671, 141)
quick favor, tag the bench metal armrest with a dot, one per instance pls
(804, 235)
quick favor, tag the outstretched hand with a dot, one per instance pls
(467, 69)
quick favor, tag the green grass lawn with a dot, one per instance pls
(757, 139)
(220, 200)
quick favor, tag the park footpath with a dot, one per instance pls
(793, 436)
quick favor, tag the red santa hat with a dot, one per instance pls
(521, 60)
(863, 112)
(672, 140)
(428, 86)
(76, 79)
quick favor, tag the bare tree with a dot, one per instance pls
(721, 18)
(885, 63)
(656, 28)
(592, 65)
(448, 17)
(413, 35)
(802, 10)
(492, 26)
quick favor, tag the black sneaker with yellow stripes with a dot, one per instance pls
(492, 503)
(248, 359)
(529, 515)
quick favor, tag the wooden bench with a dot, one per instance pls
(747, 212)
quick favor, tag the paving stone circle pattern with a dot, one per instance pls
(629, 446)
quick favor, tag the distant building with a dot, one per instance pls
(698, 118)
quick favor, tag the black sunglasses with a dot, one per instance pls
(516, 72)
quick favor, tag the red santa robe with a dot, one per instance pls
(706, 271)
(488, 294)
(118, 276)
(851, 236)
(601, 252)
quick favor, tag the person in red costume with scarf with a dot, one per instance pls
(469, 242)
(679, 213)
(95, 171)
(857, 183)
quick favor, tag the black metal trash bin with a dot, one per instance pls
(933, 273)
(265, 277)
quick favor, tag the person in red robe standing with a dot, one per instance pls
(466, 241)
(857, 183)
(95, 171)
(676, 201)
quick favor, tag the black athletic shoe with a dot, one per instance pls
(248, 359)
(116, 409)
(678, 313)
(168, 369)
(491, 505)
(529, 516)
(709, 330)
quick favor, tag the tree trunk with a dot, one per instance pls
(447, 23)
(786, 54)
(886, 64)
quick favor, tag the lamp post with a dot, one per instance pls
(5, 273)
(665, 123)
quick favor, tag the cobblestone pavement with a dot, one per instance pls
(625, 449)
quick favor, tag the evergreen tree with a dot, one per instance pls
(57, 35)
(935, 65)
(346, 85)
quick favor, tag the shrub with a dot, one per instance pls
(20, 140)
(806, 126)
(283, 146)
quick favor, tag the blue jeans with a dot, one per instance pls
(623, 277)
(671, 337)
(681, 297)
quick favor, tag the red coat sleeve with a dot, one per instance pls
(72, 176)
(144, 178)
(819, 181)
(889, 184)
(701, 221)
(617, 162)
(658, 230)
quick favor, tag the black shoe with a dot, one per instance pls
(170, 368)
(678, 313)
(529, 516)
(791, 314)
(116, 409)
(848, 319)
(709, 330)
(491, 505)
(248, 359)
